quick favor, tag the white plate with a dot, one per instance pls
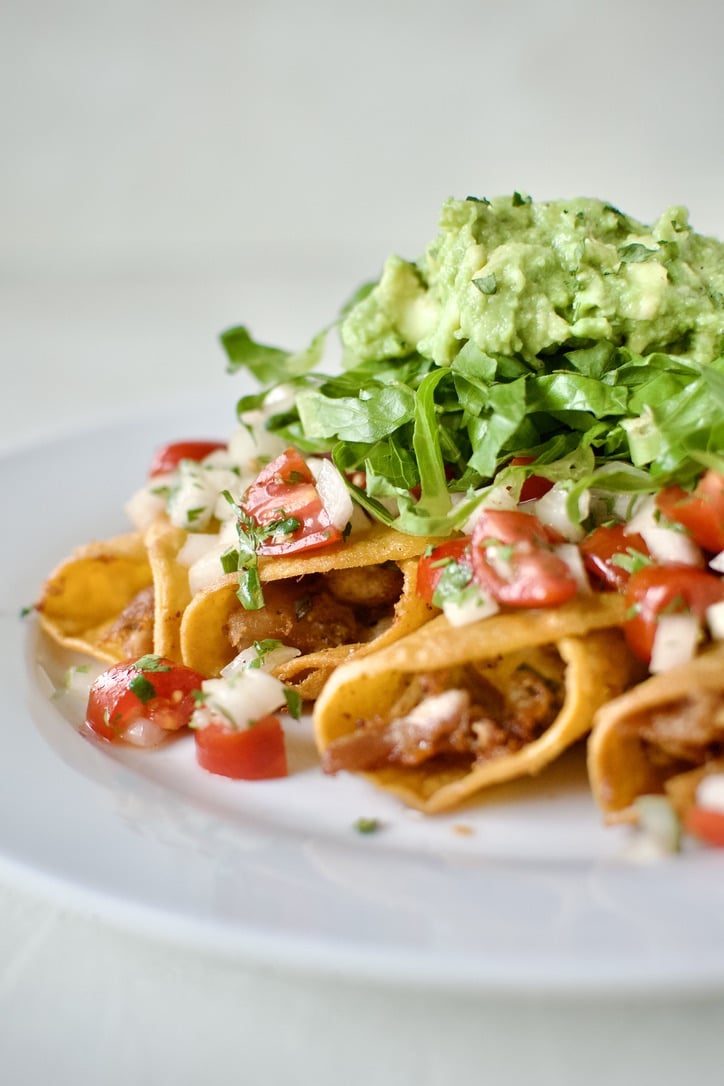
(522, 891)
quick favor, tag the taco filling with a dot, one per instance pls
(320, 611)
(657, 732)
(131, 634)
(467, 715)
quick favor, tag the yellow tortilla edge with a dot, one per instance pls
(598, 666)
(618, 767)
(83, 596)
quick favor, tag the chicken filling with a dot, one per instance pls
(321, 611)
(684, 733)
(133, 629)
(468, 714)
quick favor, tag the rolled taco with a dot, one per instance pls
(661, 736)
(330, 605)
(446, 712)
(171, 589)
(100, 600)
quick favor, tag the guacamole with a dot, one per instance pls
(525, 280)
(564, 334)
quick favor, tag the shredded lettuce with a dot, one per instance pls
(433, 434)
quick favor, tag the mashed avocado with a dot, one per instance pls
(525, 280)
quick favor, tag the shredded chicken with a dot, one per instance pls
(320, 612)
(688, 731)
(458, 713)
(133, 629)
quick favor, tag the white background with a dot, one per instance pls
(168, 169)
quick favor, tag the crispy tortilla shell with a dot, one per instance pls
(171, 586)
(596, 667)
(205, 641)
(99, 601)
(626, 761)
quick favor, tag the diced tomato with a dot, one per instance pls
(285, 489)
(701, 510)
(431, 566)
(535, 486)
(151, 688)
(168, 456)
(604, 547)
(706, 824)
(513, 561)
(656, 590)
(250, 754)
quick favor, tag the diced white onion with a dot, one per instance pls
(675, 641)
(710, 792)
(659, 822)
(471, 607)
(571, 555)
(333, 491)
(277, 657)
(196, 546)
(717, 562)
(206, 571)
(144, 507)
(249, 447)
(144, 733)
(191, 503)
(239, 699)
(715, 620)
(551, 510)
(665, 543)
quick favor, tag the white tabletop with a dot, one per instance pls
(124, 256)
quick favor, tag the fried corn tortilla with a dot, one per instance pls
(171, 586)
(661, 736)
(100, 600)
(446, 712)
(331, 604)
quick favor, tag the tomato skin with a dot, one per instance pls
(113, 705)
(706, 824)
(600, 548)
(250, 754)
(168, 457)
(286, 488)
(535, 486)
(700, 511)
(676, 589)
(537, 577)
(430, 566)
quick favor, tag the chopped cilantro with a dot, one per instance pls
(230, 561)
(366, 825)
(294, 703)
(142, 688)
(486, 284)
(262, 650)
(151, 663)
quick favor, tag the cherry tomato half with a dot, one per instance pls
(152, 689)
(673, 589)
(430, 567)
(285, 489)
(250, 754)
(513, 561)
(706, 824)
(168, 456)
(701, 510)
(604, 546)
